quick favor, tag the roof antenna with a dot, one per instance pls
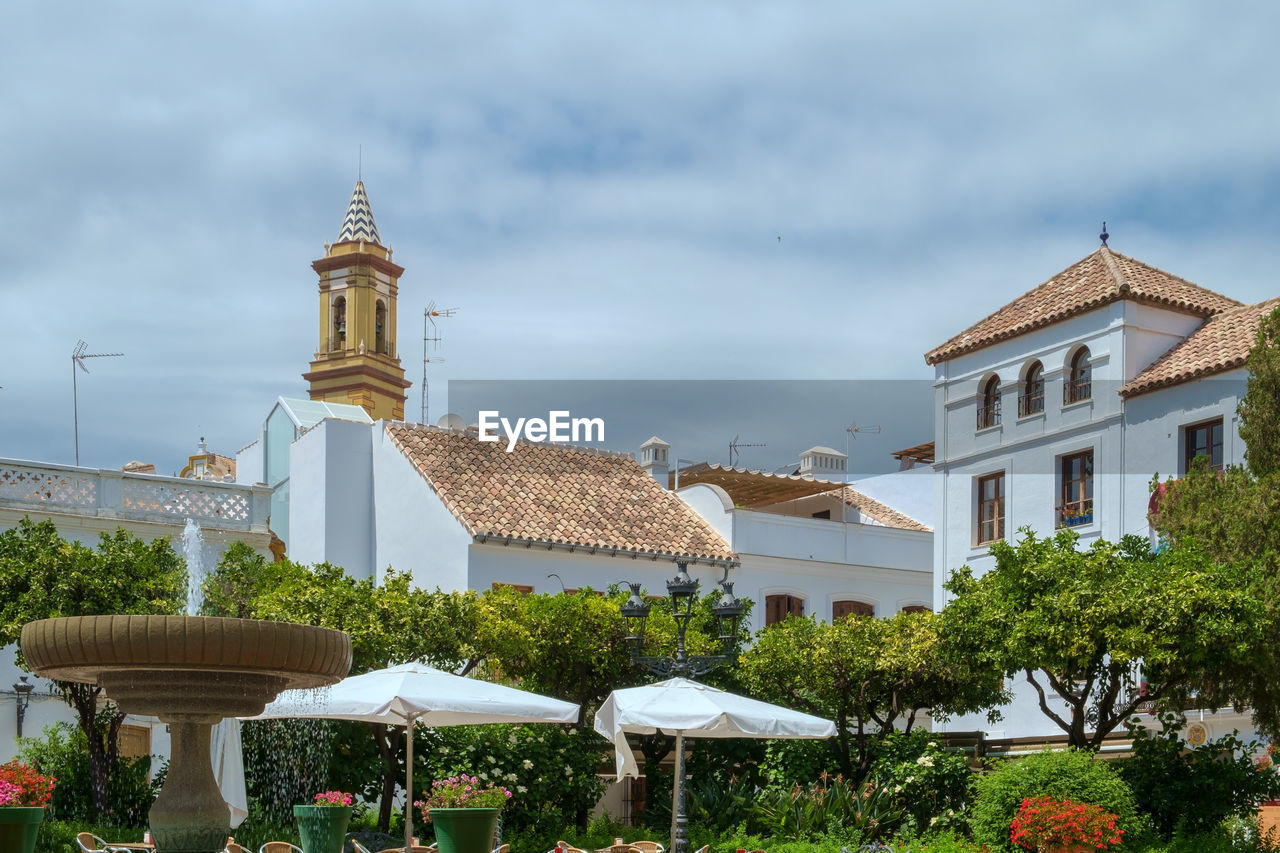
(1104, 235)
(430, 336)
(733, 449)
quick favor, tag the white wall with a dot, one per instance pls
(331, 497)
(412, 528)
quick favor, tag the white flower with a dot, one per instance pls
(933, 820)
(932, 744)
(511, 777)
(925, 761)
(897, 789)
(528, 765)
(521, 789)
(492, 760)
(484, 775)
(909, 780)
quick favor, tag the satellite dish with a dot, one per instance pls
(452, 421)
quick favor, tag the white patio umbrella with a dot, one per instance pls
(414, 693)
(686, 708)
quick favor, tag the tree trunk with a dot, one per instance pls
(104, 747)
(390, 773)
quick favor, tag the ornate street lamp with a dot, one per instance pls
(683, 591)
(728, 610)
(23, 691)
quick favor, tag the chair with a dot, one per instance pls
(232, 847)
(90, 843)
(650, 847)
(280, 847)
(357, 847)
(569, 848)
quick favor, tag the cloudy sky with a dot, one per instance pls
(606, 190)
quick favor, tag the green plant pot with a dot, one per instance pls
(18, 828)
(322, 829)
(465, 830)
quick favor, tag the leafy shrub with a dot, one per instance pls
(931, 783)
(1197, 788)
(1067, 775)
(63, 753)
(551, 771)
(832, 806)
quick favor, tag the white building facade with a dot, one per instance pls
(1059, 409)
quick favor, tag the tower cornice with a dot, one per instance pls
(337, 262)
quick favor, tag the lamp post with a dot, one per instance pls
(728, 610)
(23, 691)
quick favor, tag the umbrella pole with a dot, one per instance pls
(679, 821)
(408, 790)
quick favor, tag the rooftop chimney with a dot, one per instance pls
(653, 459)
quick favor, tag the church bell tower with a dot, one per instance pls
(356, 360)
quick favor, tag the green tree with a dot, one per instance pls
(389, 623)
(43, 576)
(867, 675)
(570, 646)
(1259, 410)
(1089, 626)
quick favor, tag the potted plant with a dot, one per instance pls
(464, 813)
(24, 796)
(1075, 516)
(1047, 825)
(322, 826)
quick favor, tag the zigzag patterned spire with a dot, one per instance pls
(359, 224)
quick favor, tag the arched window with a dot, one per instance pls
(379, 324)
(989, 405)
(778, 608)
(1031, 400)
(849, 607)
(338, 341)
(916, 608)
(1079, 378)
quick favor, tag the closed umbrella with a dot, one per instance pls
(414, 693)
(686, 708)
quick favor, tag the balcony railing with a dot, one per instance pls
(1031, 404)
(1075, 513)
(345, 346)
(96, 493)
(989, 416)
(1076, 390)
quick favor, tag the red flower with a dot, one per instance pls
(26, 787)
(1043, 822)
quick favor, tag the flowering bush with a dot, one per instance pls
(21, 785)
(332, 798)
(1046, 824)
(462, 792)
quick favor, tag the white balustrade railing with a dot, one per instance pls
(102, 493)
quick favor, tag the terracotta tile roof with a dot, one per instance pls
(556, 494)
(1221, 344)
(886, 515)
(1092, 282)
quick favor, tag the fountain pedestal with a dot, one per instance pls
(191, 672)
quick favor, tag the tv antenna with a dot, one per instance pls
(78, 355)
(735, 444)
(852, 431)
(431, 340)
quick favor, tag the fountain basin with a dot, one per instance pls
(191, 672)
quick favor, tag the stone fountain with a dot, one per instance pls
(191, 672)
